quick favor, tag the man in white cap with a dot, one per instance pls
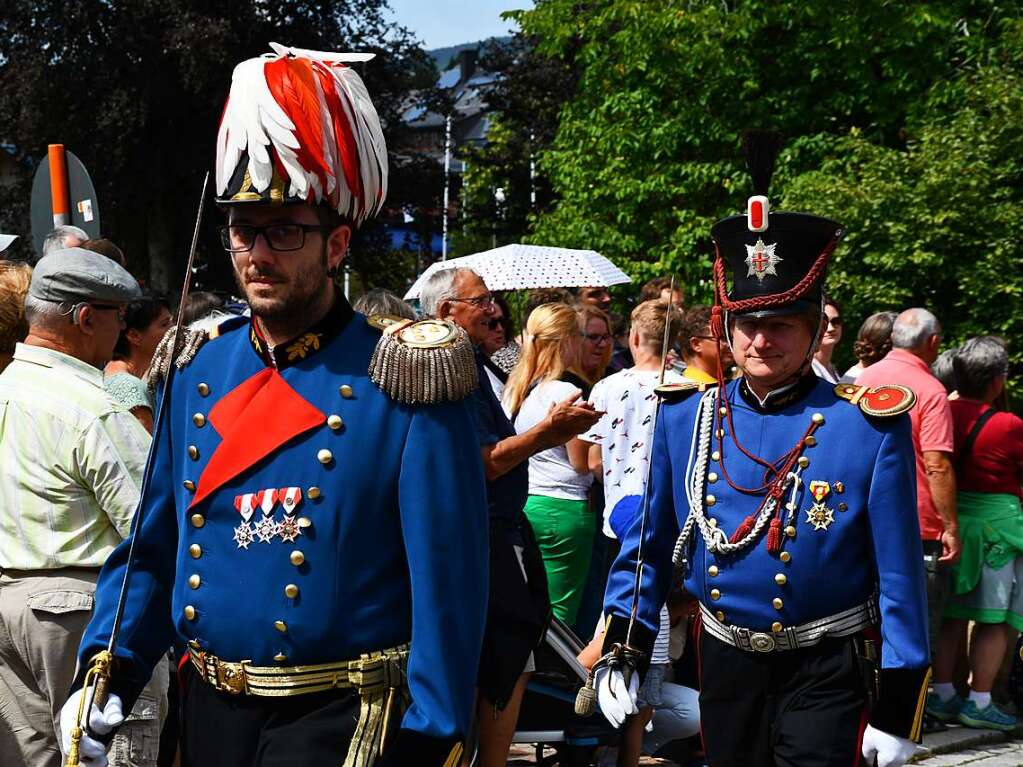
(72, 464)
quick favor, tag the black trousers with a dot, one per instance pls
(797, 708)
(223, 730)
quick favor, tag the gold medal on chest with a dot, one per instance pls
(819, 516)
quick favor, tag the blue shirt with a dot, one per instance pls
(507, 494)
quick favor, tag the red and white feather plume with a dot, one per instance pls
(308, 115)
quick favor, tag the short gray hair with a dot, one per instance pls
(48, 314)
(977, 363)
(440, 287)
(943, 369)
(913, 327)
(380, 301)
(58, 238)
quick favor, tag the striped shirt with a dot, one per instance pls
(72, 463)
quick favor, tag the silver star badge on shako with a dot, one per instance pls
(761, 260)
(819, 515)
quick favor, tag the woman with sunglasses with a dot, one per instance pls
(548, 372)
(500, 352)
(822, 365)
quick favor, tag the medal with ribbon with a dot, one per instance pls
(246, 506)
(266, 528)
(819, 515)
(288, 527)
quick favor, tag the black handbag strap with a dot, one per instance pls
(971, 438)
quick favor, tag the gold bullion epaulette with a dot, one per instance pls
(882, 401)
(189, 341)
(676, 392)
(424, 362)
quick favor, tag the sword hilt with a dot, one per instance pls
(97, 679)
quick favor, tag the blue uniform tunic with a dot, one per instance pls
(393, 521)
(865, 540)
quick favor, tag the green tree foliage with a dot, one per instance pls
(935, 224)
(526, 102)
(136, 87)
(646, 155)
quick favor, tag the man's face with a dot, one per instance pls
(676, 296)
(771, 350)
(472, 307)
(283, 284)
(104, 323)
(596, 296)
(708, 349)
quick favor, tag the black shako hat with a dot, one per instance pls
(778, 261)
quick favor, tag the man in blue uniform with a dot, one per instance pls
(318, 545)
(787, 504)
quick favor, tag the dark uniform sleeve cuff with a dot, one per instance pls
(411, 747)
(641, 639)
(900, 705)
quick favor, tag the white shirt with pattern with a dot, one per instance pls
(625, 431)
(72, 463)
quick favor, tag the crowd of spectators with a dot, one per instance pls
(77, 336)
(565, 414)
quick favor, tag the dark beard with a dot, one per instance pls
(292, 309)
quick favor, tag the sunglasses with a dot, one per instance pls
(495, 323)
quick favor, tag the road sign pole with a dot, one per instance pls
(58, 186)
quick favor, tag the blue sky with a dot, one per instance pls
(439, 23)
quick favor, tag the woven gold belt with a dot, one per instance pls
(370, 673)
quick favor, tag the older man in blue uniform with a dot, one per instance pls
(787, 505)
(317, 544)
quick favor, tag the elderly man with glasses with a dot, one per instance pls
(72, 468)
(519, 606)
(315, 538)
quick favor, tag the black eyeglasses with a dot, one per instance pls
(240, 238)
(480, 302)
(596, 338)
(121, 310)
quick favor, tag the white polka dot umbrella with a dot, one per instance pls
(520, 267)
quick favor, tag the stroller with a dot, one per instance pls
(547, 717)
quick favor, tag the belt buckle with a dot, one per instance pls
(761, 642)
(230, 677)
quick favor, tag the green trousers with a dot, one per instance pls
(564, 531)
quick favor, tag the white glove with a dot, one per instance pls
(616, 699)
(890, 750)
(91, 751)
